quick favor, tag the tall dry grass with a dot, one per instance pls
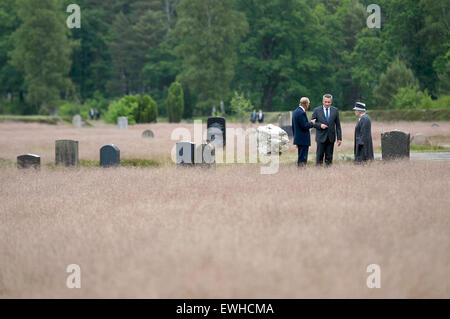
(18, 138)
(225, 233)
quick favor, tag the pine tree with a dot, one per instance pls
(42, 51)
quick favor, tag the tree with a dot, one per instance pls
(397, 76)
(208, 31)
(42, 50)
(175, 102)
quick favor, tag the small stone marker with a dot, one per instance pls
(122, 122)
(29, 161)
(216, 130)
(395, 145)
(185, 153)
(285, 122)
(77, 122)
(420, 139)
(109, 156)
(148, 134)
(435, 125)
(205, 155)
(66, 153)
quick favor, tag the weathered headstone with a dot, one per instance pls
(109, 156)
(77, 122)
(395, 145)
(420, 139)
(29, 161)
(435, 125)
(148, 134)
(122, 122)
(216, 130)
(185, 153)
(205, 155)
(285, 122)
(66, 153)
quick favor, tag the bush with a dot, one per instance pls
(411, 98)
(241, 107)
(138, 109)
(69, 109)
(175, 102)
(442, 103)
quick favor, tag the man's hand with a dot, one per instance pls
(314, 121)
(323, 126)
(339, 143)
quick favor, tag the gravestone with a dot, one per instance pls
(29, 161)
(205, 155)
(420, 139)
(185, 153)
(122, 122)
(285, 122)
(66, 153)
(395, 145)
(288, 130)
(216, 130)
(435, 125)
(109, 156)
(77, 121)
(148, 134)
(272, 140)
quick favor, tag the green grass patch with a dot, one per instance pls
(428, 148)
(52, 120)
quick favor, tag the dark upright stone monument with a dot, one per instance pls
(205, 155)
(216, 130)
(29, 161)
(185, 153)
(66, 153)
(395, 145)
(288, 130)
(148, 134)
(109, 156)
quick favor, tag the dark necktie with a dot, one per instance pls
(326, 110)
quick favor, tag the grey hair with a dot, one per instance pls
(328, 96)
(304, 101)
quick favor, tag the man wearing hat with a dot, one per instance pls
(363, 135)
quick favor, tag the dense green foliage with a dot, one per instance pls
(175, 103)
(273, 51)
(138, 109)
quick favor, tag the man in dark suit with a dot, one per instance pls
(363, 135)
(300, 130)
(328, 127)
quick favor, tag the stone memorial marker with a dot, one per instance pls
(435, 125)
(185, 153)
(205, 155)
(271, 140)
(420, 139)
(216, 130)
(77, 122)
(122, 122)
(395, 145)
(285, 122)
(66, 153)
(148, 134)
(29, 161)
(109, 156)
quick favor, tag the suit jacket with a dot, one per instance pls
(301, 127)
(334, 125)
(363, 139)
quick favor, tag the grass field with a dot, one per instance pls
(162, 232)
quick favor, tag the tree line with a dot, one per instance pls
(271, 52)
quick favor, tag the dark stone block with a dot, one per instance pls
(395, 145)
(109, 156)
(66, 153)
(216, 130)
(288, 130)
(205, 155)
(185, 153)
(28, 161)
(148, 134)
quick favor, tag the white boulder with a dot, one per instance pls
(272, 140)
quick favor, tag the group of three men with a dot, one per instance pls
(325, 120)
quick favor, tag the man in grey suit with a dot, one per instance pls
(328, 127)
(363, 135)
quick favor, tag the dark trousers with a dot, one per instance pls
(302, 155)
(325, 150)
